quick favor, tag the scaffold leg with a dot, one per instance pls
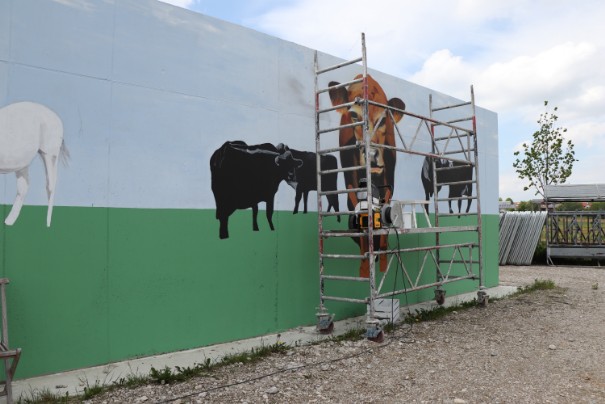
(439, 296)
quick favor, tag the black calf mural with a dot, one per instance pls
(306, 179)
(243, 176)
(457, 172)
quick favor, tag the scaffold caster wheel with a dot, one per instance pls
(328, 329)
(379, 338)
(325, 323)
(374, 333)
(440, 296)
(482, 298)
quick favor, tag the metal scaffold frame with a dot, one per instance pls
(453, 147)
(574, 234)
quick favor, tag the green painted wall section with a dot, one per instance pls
(103, 285)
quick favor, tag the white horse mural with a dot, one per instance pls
(27, 128)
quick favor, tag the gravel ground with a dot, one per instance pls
(542, 347)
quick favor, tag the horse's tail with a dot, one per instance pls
(64, 154)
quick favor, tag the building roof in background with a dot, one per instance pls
(577, 193)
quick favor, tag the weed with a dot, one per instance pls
(389, 327)
(45, 396)
(437, 312)
(539, 284)
(131, 381)
(354, 334)
(595, 286)
(165, 375)
(91, 391)
(207, 365)
(254, 355)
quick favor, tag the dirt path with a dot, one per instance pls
(547, 346)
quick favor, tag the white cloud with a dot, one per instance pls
(517, 53)
(589, 134)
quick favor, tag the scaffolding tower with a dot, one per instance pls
(453, 149)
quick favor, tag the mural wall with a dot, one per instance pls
(184, 213)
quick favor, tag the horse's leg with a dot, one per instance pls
(50, 164)
(22, 187)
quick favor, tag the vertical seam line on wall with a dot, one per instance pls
(276, 266)
(107, 208)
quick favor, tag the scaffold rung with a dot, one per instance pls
(333, 233)
(338, 66)
(334, 108)
(458, 198)
(462, 104)
(345, 278)
(458, 262)
(340, 213)
(442, 184)
(459, 151)
(335, 128)
(340, 85)
(454, 136)
(470, 118)
(345, 299)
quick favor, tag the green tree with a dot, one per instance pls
(597, 206)
(528, 206)
(545, 161)
(570, 207)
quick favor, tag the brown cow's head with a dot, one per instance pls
(381, 129)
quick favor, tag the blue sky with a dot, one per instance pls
(516, 53)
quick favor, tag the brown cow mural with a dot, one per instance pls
(382, 129)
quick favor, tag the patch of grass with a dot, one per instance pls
(354, 334)
(180, 374)
(131, 381)
(91, 391)
(254, 355)
(165, 375)
(437, 312)
(45, 396)
(595, 286)
(539, 284)
(162, 376)
(389, 327)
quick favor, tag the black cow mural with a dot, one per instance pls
(457, 172)
(306, 178)
(243, 176)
